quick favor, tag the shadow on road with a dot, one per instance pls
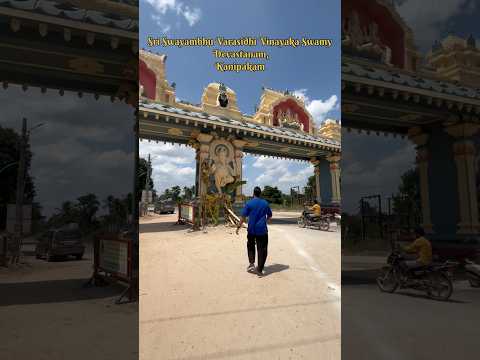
(359, 277)
(283, 220)
(274, 268)
(265, 349)
(68, 258)
(368, 277)
(420, 295)
(259, 309)
(51, 291)
(161, 227)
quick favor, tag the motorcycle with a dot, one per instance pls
(473, 273)
(321, 222)
(338, 220)
(434, 279)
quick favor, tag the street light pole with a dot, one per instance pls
(147, 179)
(20, 195)
(20, 191)
(7, 166)
(135, 200)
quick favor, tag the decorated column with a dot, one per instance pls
(420, 140)
(316, 164)
(464, 155)
(202, 160)
(239, 144)
(335, 175)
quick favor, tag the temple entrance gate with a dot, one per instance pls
(221, 134)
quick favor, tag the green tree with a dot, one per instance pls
(272, 195)
(406, 205)
(9, 156)
(118, 209)
(310, 189)
(87, 206)
(188, 193)
(176, 191)
(67, 213)
(142, 177)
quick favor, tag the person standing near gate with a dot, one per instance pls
(259, 213)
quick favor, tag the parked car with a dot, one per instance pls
(60, 242)
(165, 207)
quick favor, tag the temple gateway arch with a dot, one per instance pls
(221, 134)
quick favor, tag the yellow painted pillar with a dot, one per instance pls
(203, 155)
(239, 144)
(464, 154)
(316, 164)
(335, 176)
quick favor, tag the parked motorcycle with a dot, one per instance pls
(434, 279)
(473, 273)
(321, 222)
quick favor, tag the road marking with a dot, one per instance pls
(316, 270)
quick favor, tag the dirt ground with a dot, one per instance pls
(198, 302)
(47, 314)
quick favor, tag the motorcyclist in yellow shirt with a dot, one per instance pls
(316, 209)
(422, 248)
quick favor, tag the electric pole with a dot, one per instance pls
(147, 179)
(135, 200)
(20, 191)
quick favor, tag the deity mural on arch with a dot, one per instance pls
(222, 165)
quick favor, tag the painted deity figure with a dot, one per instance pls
(223, 172)
(289, 119)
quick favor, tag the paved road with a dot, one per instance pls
(198, 302)
(46, 314)
(404, 325)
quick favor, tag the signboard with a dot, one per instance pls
(113, 262)
(113, 257)
(27, 218)
(186, 213)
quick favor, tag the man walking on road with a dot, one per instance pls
(258, 212)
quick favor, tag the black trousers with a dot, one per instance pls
(262, 247)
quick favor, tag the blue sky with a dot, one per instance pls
(313, 72)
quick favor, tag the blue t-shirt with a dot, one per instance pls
(257, 210)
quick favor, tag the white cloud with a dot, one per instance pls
(281, 173)
(164, 28)
(319, 109)
(191, 14)
(172, 164)
(376, 176)
(299, 177)
(162, 6)
(427, 17)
